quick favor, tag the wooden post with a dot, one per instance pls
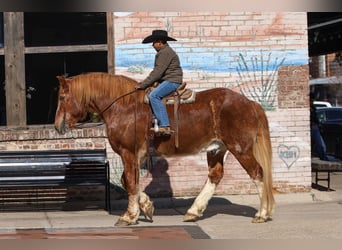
(110, 43)
(15, 69)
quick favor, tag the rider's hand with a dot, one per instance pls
(140, 86)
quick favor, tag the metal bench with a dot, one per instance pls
(50, 179)
(318, 165)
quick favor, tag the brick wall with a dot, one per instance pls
(293, 88)
(210, 46)
(333, 64)
(326, 76)
(47, 138)
(238, 50)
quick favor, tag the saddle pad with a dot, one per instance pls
(186, 96)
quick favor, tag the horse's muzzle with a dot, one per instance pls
(62, 127)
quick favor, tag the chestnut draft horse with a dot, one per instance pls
(219, 120)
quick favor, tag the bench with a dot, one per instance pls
(50, 179)
(318, 166)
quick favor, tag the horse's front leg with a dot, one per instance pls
(146, 205)
(130, 181)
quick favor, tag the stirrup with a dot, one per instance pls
(162, 131)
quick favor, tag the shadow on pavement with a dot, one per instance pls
(179, 206)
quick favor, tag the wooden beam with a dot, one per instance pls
(66, 48)
(110, 43)
(15, 68)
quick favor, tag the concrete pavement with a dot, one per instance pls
(313, 215)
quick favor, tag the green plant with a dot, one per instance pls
(168, 25)
(258, 78)
(137, 69)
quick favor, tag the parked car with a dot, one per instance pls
(329, 114)
(321, 104)
(330, 121)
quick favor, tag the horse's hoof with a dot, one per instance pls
(259, 219)
(190, 217)
(150, 211)
(123, 223)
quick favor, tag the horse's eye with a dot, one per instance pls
(61, 98)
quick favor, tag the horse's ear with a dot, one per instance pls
(62, 82)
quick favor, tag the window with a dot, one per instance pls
(41, 69)
(54, 44)
(42, 84)
(51, 29)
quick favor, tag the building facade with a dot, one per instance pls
(262, 55)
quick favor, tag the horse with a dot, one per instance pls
(220, 120)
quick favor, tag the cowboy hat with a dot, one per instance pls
(158, 35)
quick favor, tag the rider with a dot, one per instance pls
(167, 72)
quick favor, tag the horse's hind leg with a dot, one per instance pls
(261, 215)
(215, 164)
(254, 170)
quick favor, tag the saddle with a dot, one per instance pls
(180, 96)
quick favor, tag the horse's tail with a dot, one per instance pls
(262, 150)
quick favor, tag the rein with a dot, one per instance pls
(116, 99)
(106, 108)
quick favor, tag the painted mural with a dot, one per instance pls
(262, 55)
(248, 54)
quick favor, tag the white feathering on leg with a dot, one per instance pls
(201, 202)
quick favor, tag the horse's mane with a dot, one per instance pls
(90, 86)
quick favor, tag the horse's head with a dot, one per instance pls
(69, 110)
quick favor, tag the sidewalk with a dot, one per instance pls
(313, 215)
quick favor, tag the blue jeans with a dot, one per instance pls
(318, 143)
(158, 108)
